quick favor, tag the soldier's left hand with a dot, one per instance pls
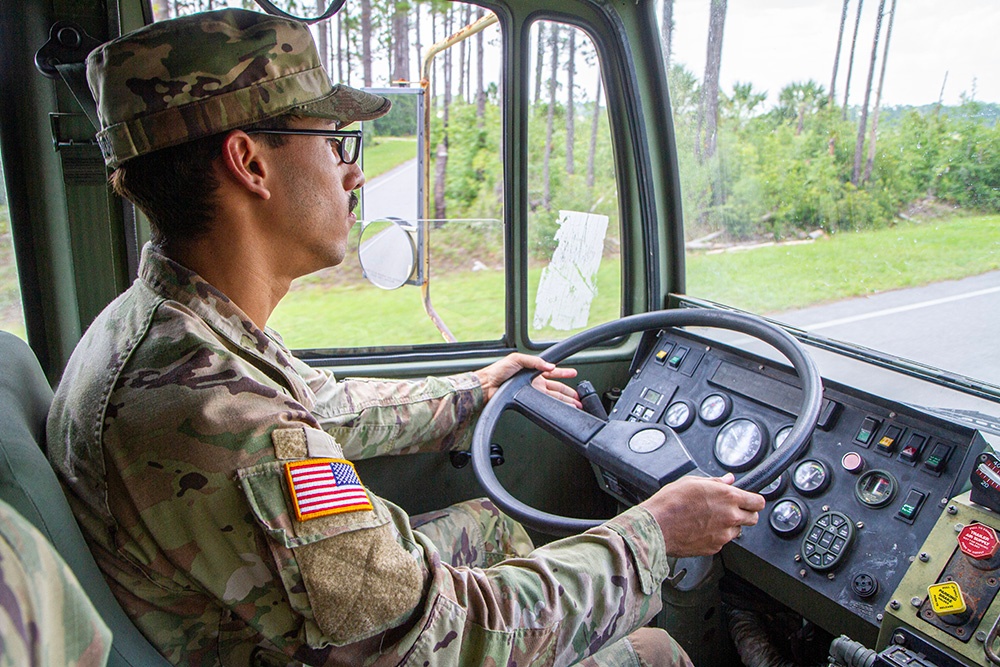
(548, 382)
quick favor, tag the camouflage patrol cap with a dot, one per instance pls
(178, 80)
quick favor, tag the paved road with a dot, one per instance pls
(953, 325)
(393, 194)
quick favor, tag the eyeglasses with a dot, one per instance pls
(348, 142)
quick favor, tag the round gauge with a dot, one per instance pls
(781, 436)
(811, 477)
(739, 444)
(714, 409)
(788, 518)
(875, 488)
(679, 415)
(775, 488)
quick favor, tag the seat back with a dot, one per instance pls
(30, 486)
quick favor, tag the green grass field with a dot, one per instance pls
(763, 280)
(386, 153)
(322, 313)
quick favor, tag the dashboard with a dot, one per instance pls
(850, 515)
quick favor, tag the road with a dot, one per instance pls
(953, 325)
(393, 194)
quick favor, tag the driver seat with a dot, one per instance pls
(29, 485)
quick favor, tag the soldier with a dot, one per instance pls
(45, 617)
(211, 470)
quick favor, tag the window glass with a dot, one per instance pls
(11, 313)
(845, 175)
(456, 292)
(574, 254)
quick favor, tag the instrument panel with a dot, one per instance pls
(843, 524)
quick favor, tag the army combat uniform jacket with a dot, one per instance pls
(192, 444)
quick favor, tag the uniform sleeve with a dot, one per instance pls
(370, 417)
(45, 617)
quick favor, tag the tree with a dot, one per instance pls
(708, 120)
(366, 41)
(878, 96)
(480, 85)
(595, 120)
(539, 60)
(850, 58)
(570, 92)
(744, 100)
(863, 120)
(400, 41)
(797, 100)
(836, 56)
(667, 32)
(550, 121)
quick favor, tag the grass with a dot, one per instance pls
(763, 280)
(332, 312)
(779, 278)
(386, 153)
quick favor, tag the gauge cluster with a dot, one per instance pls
(845, 520)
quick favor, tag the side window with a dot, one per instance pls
(11, 314)
(456, 291)
(574, 259)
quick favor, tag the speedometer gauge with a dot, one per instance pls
(714, 409)
(739, 444)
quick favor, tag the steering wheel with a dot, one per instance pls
(583, 431)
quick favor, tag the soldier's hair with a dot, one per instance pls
(175, 187)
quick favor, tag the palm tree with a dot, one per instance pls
(741, 104)
(797, 100)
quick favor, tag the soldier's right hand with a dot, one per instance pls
(699, 515)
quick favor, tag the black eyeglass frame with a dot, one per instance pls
(331, 134)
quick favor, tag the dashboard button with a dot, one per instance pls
(938, 457)
(828, 541)
(908, 510)
(677, 358)
(867, 431)
(887, 443)
(913, 447)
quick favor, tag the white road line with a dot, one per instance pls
(899, 309)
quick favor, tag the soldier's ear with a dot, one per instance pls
(245, 163)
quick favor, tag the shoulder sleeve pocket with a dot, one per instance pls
(346, 573)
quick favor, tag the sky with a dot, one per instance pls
(771, 43)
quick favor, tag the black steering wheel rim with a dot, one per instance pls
(754, 480)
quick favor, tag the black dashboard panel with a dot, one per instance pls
(844, 522)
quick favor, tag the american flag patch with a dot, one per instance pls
(325, 486)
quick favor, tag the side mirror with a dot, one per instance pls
(388, 253)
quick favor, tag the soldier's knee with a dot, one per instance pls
(655, 648)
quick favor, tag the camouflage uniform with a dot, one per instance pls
(183, 434)
(45, 617)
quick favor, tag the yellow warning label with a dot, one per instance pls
(946, 598)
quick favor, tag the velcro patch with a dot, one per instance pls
(325, 486)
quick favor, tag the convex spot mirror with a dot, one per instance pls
(387, 253)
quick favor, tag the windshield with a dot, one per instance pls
(840, 169)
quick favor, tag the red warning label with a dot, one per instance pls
(979, 541)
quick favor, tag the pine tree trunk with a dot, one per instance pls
(863, 121)
(550, 122)
(595, 120)
(870, 164)
(850, 58)
(709, 117)
(481, 88)
(366, 41)
(539, 59)
(418, 46)
(462, 48)
(341, 19)
(440, 211)
(570, 92)
(401, 43)
(667, 33)
(836, 56)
